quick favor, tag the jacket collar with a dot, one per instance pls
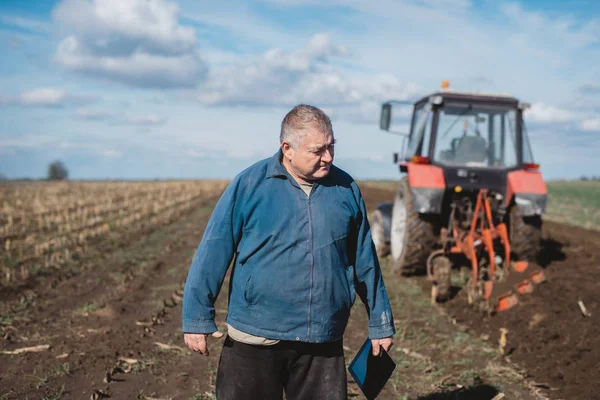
(275, 168)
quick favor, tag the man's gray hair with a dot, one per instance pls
(293, 126)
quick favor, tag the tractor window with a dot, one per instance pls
(527, 153)
(505, 141)
(418, 143)
(475, 136)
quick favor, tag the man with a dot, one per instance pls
(296, 227)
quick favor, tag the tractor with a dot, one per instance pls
(471, 198)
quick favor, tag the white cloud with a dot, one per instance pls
(24, 141)
(99, 149)
(109, 153)
(92, 115)
(50, 143)
(540, 112)
(87, 114)
(285, 78)
(46, 97)
(236, 17)
(412, 37)
(145, 119)
(119, 27)
(437, 4)
(563, 32)
(137, 42)
(591, 124)
(198, 153)
(572, 119)
(43, 97)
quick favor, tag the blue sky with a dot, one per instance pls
(192, 89)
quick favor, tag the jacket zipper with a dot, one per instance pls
(312, 264)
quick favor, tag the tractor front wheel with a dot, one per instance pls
(413, 236)
(441, 268)
(382, 246)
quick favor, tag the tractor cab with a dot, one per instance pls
(462, 130)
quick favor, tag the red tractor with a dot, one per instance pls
(471, 196)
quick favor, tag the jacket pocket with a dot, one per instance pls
(249, 287)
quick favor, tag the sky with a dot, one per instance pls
(164, 89)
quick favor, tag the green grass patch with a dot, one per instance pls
(574, 203)
(88, 308)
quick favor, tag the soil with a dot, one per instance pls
(112, 321)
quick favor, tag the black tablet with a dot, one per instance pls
(370, 372)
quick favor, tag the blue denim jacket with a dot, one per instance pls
(299, 261)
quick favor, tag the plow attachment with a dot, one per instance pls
(495, 282)
(519, 280)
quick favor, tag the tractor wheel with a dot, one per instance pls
(413, 237)
(377, 232)
(442, 268)
(525, 235)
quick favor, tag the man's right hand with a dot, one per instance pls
(197, 341)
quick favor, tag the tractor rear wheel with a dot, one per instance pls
(525, 235)
(413, 236)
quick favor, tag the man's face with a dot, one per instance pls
(313, 157)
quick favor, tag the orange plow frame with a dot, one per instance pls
(483, 232)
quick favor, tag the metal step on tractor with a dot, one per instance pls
(471, 198)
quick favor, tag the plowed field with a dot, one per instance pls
(108, 324)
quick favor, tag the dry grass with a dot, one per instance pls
(47, 224)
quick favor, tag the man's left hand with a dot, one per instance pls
(386, 343)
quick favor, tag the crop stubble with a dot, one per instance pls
(47, 224)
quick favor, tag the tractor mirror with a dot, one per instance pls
(386, 117)
(396, 158)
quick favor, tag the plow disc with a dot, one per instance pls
(520, 280)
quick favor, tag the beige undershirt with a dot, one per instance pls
(247, 338)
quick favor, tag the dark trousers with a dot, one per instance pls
(305, 371)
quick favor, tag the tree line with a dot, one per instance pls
(57, 171)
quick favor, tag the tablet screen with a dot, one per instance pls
(371, 372)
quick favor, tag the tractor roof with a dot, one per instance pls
(474, 97)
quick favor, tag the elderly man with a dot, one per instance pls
(296, 227)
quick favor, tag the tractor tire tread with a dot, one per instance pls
(381, 245)
(420, 238)
(525, 236)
